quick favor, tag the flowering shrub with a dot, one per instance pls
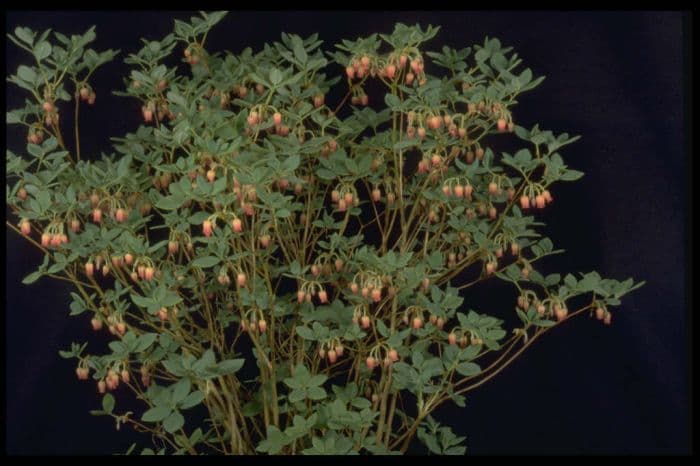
(283, 274)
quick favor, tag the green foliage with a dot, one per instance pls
(275, 275)
(440, 440)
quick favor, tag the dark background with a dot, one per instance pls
(616, 78)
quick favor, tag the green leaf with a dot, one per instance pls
(330, 444)
(198, 218)
(316, 393)
(291, 163)
(305, 332)
(457, 451)
(325, 174)
(523, 156)
(26, 74)
(108, 403)
(123, 166)
(191, 400)
(468, 369)
(25, 35)
(206, 261)
(36, 151)
(544, 323)
(44, 199)
(429, 440)
(297, 395)
(317, 380)
(382, 328)
(219, 186)
(196, 436)
(42, 50)
(552, 279)
(282, 213)
(275, 76)
(145, 341)
(435, 260)
(229, 366)
(571, 175)
(156, 414)
(392, 101)
(177, 99)
(181, 389)
(118, 347)
(274, 442)
(77, 307)
(140, 300)
(32, 277)
(459, 400)
(361, 403)
(170, 299)
(522, 316)
(301, 426)
(299, 52)
(174, 422)
(469, 353)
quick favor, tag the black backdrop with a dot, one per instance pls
(616, 78)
